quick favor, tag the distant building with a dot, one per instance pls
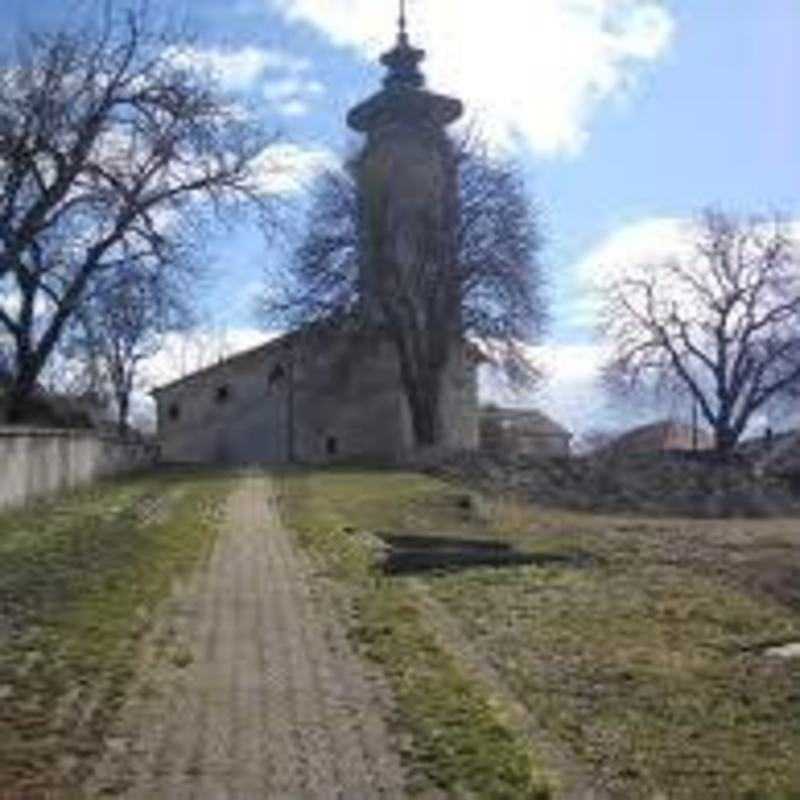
(663, 436)
(522, 432)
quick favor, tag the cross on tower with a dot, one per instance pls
(403, 37)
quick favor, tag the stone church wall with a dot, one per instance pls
(235, 412)
(349, 402)
(336, 399)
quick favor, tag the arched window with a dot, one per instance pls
(174, 412)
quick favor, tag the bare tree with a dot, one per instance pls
(721, 324)
(113, 155)
(121, 324)
(491, 296)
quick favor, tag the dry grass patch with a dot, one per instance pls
(80, 576)
(646, 673)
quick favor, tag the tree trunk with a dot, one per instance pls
(422, 383)
(19, 394)
(123, 409)
(724, 441)
(424, 401)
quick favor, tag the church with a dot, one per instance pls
(338, 395)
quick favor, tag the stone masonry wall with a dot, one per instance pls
(338, 398)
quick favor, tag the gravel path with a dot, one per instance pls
(248, 689)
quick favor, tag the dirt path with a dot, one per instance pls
(249, 689)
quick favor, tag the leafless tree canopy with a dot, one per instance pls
(120, 324)
(111, 155)
(722, 325)
(497, 271)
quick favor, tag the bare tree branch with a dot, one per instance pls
(723, 326)
(109, 153)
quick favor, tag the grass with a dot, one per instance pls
(79, 579)
(461, 739)
(643, 674)
(645, 662)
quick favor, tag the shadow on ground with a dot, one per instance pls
(408, 554)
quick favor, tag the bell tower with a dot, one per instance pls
(408, 189)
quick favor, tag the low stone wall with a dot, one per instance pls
(35, 462)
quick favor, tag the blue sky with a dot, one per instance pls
(626, 114)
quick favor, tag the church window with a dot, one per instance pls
(277, 374)
(331, 445)
(174, 412)
(223, 394)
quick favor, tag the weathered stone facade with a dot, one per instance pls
(326, 399)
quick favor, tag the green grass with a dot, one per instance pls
(461, 739)
(642, 672)
(79, 579)
(645, 662)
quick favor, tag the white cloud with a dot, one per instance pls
(645, 244)
(295, 108)
(237, 69)
(537, 70)
(648, 241)
(571, 393)
(290, 168)
(292, 87)
(293, 94)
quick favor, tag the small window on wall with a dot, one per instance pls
(223, 394)
(331, 446)
(174, 412)
(278, 373)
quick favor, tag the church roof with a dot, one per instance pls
(243, 355)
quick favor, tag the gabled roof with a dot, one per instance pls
(242, 355)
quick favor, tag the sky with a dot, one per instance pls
(627, 116)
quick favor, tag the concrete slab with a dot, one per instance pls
(791, 650)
